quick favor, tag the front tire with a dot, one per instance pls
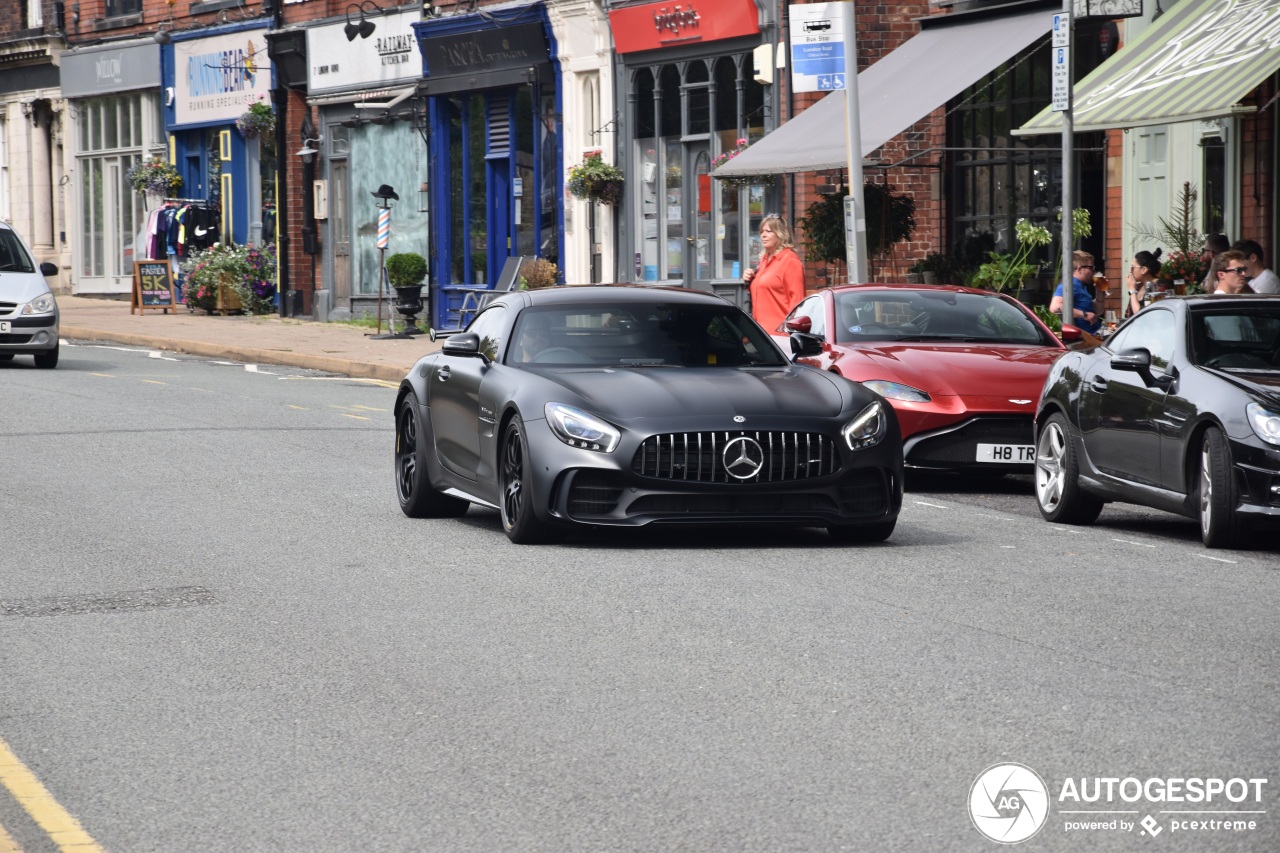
(1058, 492)
(514, 489)
(49, 359)
(417, 498)
(853, 533)
(1220, 525)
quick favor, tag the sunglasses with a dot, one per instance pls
(1240, 271)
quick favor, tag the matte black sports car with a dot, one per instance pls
(628, 406)
(1178, 410)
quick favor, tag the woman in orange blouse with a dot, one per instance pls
(777, 284)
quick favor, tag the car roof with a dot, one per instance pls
(614, 293)
(922, 288)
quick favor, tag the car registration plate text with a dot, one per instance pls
(4, 327)
(1012, 453)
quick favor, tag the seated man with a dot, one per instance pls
(535, 337)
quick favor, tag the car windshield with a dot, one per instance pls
(933, 316)
(1233, 338)
(641, 334)
(13, 258)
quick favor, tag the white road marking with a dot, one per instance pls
(155, 353)
(1219, 559)
(1131, 542)
(935, 506)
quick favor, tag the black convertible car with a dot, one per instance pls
(626, 406)
(1178, 410)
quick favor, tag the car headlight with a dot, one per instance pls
(867, 428)
(576, 428)
(1265, 423)
(896, 391)
(42, 304)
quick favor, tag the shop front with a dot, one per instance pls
(114, 95)
(691, 94)
(211, 78)
(363, 88)
(492, 106)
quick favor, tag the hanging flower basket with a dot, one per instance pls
(155, 176)
(595, 180)
(737, 181)
(258, 120)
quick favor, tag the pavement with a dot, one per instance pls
(330, 347)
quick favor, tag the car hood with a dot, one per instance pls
(953, 370)
(1262, 385)
(656, 392)
(21, 287)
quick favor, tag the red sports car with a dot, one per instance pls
(962, 368)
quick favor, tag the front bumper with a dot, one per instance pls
(1258, 479)
(955, 447)
(37, 333)
(619, 489)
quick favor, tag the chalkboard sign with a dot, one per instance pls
(153, 287)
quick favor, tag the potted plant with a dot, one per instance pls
(537, 273)
(258, 120)
(226, 278)
(595, 180)
(1010, 270)
(890, 220)
(154, 176)
(933, 268)
(405, 271)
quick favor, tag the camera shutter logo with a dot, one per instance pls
(1008, 803)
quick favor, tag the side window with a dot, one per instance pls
(489, 325)
(814, 310)
(1152, 330)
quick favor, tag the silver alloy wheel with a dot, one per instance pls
(1206, 490)
(1050, 457)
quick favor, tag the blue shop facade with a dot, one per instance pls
(211, 77)
(491, 101)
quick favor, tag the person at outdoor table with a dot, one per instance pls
(1231, 269)
(1261, 279)
(777, 283)
(1144, 273)
(1082, 308)
(1213, 244)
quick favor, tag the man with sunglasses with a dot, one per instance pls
(1261, 279)
(1084, 313)
(1231, 269)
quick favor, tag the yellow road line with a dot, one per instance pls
(154, 382)
(7, 844)
(357, 417)
(104, 375)
(370, 408)
(63, 829)
(299, 408)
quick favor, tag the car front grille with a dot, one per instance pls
(8, 307)
(699, 457)
(960, 446)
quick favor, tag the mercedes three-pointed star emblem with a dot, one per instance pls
(742, 458)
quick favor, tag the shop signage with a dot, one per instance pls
(217, 78)
(478, 51)
(104, 70)
(389, 56)
(648, 26)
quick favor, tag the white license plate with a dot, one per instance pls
(1011, 453)
(4, 327)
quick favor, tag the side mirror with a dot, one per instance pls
(1139, 361)
(465, 345)
(47, 269)
(804, 345)
(1070, 334)
(799, 324)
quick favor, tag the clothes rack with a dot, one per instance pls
(186, 201)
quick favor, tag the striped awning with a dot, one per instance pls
(1196, 61)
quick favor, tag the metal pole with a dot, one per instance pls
(855, 219)
(1068, 184)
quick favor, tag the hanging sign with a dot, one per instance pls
(817, 47)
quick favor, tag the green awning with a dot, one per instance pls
(1196, 61)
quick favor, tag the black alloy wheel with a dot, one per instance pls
(417, 498)
(1058, 492)
(518, 518)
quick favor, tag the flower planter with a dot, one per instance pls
(228, 297)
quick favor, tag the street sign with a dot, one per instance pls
(817, 47)
(1060, 75)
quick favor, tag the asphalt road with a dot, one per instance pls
(218, 633)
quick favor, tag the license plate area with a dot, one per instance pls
(5, 325)
(1011, 454)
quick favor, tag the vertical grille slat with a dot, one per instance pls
(697, 457)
